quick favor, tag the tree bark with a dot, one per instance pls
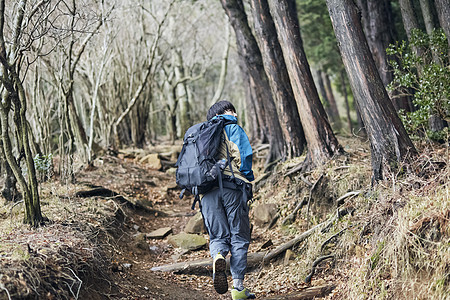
(390, 144)
(410, 22)
(427, 16)
(9, 191)
(347, 106)
(322, 144)
(251, 55)
(333, 105)
(377, 21)
(443, 11)
(323, 93)
(275, 68)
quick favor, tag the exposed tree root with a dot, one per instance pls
(314, 266)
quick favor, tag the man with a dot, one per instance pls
(225, 211)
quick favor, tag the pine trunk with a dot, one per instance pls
(443, 11)
(275, 68)
(321, 141)
(389, 141)
(251, 56)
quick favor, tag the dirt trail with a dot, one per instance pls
(132, 255)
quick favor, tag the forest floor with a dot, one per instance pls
(96, 247)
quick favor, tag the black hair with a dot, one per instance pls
(219, 108)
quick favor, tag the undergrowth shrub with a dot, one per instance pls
(425, 77)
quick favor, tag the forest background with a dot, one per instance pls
(83, 79)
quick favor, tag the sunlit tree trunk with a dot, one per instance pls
(251, 56)
(390, 144)
(14, 97)
(278, 79)
(321, 141)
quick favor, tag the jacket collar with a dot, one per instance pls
(227, 117)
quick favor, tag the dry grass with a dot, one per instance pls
(54, 260)
(396, 245)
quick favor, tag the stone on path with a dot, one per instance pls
(159, 233)
(187, 241)
(195, 224)
(264, 213)
(152, 161)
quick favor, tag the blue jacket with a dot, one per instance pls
(240, 150)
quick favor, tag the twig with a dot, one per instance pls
(341, 199)
(79, 287)
(309, 198)
(303, 178)
(331, 238)
(291, 217)
(3, 287)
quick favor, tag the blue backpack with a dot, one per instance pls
(198, 170)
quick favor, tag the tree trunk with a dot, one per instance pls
(9, 191)
(409, 23)
(181, 94)
(429, 23)
(275, 68)
(443, 11)
(223, 67)
(254, 118)
(322, 144)
(378, 27)
(323, 93)
(389, 141)
(251, 55)
(347, 106)
(333, 105)
(377, 16)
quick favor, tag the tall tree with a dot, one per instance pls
(251, 56)
(390, 144)
(377, 21)
(14, 97)
(322, 143)
(410, 22)
(443, 11)
(275, 68)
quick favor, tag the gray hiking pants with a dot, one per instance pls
(228, 225)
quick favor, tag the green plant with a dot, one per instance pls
(422, 70)
(43, 165)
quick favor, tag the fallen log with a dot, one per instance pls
(203, 267)
(313, 292)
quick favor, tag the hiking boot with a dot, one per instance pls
(219, 275)
(244, 294)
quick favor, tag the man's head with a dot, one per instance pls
(220, 108)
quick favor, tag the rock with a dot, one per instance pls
(140, 240)
(152, 161)
(159, 233)
(171, 171)
(195, 224)
(187, 241)
(264, 213)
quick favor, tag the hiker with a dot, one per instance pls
(225, 210)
